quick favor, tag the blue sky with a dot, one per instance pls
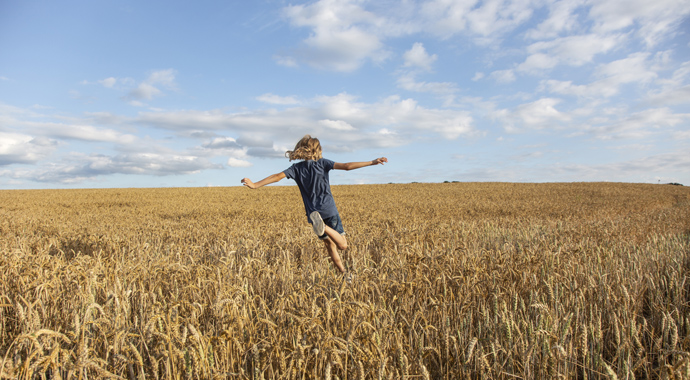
(118, 93)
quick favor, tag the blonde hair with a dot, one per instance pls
(308, 148)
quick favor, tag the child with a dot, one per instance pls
(311, 176)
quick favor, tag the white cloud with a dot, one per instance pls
(237, 163)
(342, 106)
(145, 91)
(653, 19)
(410, 83)
(538, 62)
(671, 97)
(327, 117)
(222, 143)
(17, 148)
(163, 77)
(77, 168)
(337, 125)
(149, 88)
(681, 135)
(564, 88)
(562, 18)
(255, 139)
(503, 76)
(539, 114)
(418, 57)
(633, 69)
(417, 60)
(571, 50)
(407, 116)
(108, 82)
(276, 99)
(667, 167)
(680, 75)
(639, 125)
(81, 132)
(30, 121)
(343, 35)
(488, 19)
(285, 61)
(104, 118)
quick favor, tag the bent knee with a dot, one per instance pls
(342, 246)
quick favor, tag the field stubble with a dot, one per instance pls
(462, 280)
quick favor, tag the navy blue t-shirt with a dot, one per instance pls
(312, 179)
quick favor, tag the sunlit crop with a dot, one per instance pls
(455, 280)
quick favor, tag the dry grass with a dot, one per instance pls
(461, 280)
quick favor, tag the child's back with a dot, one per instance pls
(312, 179)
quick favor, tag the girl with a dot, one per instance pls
(312, 179)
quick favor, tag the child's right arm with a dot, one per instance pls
(357, 165)
(266, 181)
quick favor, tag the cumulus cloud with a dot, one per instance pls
(286, 61)
(32, 122)
(612, 75)
(634, 68)
(487, 19)
(417, 57)
(671, 97)
(416, 63)
(574, 50)
(17, 148)
(503, 76)
(222, 143)
(652, 168)
(346, 34)
(108, 82)
(539, 114)
(655, 19)
(237, 163)
(255, 140)
(340, 118)
(337, 125)
(409, 82)
(639, 125)
(562, 18)
(564, 88)
(276, 99)
(145, 91)
(343, 35)
(77, 168)
(151, 87)
(80, 132)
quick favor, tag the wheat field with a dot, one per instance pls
(453, 281)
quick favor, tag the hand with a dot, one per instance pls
(248, 182)
(380, 160)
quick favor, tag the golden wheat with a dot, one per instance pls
(463, 280)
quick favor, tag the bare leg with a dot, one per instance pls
(332, 250)
(336, 237)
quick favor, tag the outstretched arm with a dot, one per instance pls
(266, 181)
(357, 165)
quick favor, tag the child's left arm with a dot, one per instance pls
(266, 181)
(357, 165)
